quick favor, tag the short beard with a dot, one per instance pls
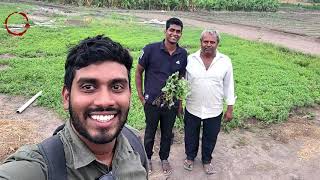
(80, 128)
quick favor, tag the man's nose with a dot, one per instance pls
(104, 98)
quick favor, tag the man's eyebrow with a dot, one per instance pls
(87, 80)
(120, 80)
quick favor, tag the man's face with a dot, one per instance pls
(173, 34)
(209, 43)
(99, 101)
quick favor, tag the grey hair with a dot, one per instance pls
(211, 32)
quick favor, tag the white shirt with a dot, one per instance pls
(209, 87)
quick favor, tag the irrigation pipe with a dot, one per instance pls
(23, 107)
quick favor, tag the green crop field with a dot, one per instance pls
(270, 81)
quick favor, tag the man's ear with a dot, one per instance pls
(65, 97)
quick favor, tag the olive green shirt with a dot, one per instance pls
(28, 164)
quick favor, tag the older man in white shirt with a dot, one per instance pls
(210, 75)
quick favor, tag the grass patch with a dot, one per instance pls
(8, 8)
(270, 81)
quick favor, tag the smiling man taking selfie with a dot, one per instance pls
(94, 143)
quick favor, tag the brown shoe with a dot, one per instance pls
(208, 169)
(166, 167)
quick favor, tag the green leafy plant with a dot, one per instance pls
(175, 89)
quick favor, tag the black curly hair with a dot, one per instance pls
(92, 50)
(174, 21)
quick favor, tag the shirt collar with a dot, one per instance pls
(123, 151)
(76, 151)
(162, 47)
(218, 55)
(79, 155)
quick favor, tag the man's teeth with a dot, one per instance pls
(102, 118)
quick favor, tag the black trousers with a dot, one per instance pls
(211, 129)
(167, 118)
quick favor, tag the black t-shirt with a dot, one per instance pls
(159, 65)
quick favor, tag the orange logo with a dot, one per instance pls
(26, 26)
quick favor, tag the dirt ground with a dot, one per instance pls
(284, 151)
(29, 127)
(289, 150)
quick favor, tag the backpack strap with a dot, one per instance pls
(53, 154)
(59, 128)
(136, 145)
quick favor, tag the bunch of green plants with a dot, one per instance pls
(230, 5)
(175, 88)
(238, 5)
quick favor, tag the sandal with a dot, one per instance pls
(166, 167)
(150, 166)
(208, 169)
(188, 164)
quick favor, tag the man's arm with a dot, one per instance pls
(228, 115)
(25, 164)
(228, 90)
(139, 80)
(182, 74)
(21, 170)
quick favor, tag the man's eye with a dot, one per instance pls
(87, 87)
(118, 87)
